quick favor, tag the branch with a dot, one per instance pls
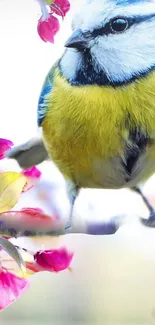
(12, 227)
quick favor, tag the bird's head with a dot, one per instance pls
(113, 43)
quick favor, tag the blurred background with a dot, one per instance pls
(113, 277)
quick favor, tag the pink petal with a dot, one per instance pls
(64, 6)
(5, 145)
(33, 211)
(48, 29)
(11, 287)
(7, 142)
(55, 260)
(33, 172)
(29, 219)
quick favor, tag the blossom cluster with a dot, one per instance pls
(12, 185)
(48, 24)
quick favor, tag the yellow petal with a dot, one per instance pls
(11, 186)
(25, 274)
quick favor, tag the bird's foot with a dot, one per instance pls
(150, 222)
(72, 190)
(68, 226)
(70, 219)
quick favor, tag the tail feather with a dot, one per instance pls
(29, 154)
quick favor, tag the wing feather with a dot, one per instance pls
(43, 99)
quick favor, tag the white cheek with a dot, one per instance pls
(122, 56)
(70, 63)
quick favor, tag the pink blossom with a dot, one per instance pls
(53, 260)
(33, 172)
(4, 146)
(48, 25)
(11, 287)
(48, 28)
(60, 7)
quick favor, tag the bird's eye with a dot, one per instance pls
(119, 25)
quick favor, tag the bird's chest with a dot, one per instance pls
(100, 138)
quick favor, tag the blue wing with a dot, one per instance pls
(42, 104)
(43, 99)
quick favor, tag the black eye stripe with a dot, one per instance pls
(106, 30)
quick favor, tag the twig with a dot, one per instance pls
(15, 229)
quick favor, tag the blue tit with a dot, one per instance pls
(97, 105)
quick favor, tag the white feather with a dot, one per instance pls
(70, 63)
(123, 55)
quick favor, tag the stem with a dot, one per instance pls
(44, 10)
(94, 228)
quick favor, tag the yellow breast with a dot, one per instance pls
(85, 124)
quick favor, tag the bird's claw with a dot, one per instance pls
(150, 222)
(68, 226)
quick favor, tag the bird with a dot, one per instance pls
(96, 109)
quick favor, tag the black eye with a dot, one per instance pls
(119, 25)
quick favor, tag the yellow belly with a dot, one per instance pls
(86, 127)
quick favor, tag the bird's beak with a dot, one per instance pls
(77, 40)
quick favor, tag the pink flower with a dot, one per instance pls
(4, 146)
(60, 7)
(55, 260)
(48, 25)
(11, 287)
(47, 29)
(32, 174)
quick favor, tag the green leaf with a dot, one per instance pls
(11, 250)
